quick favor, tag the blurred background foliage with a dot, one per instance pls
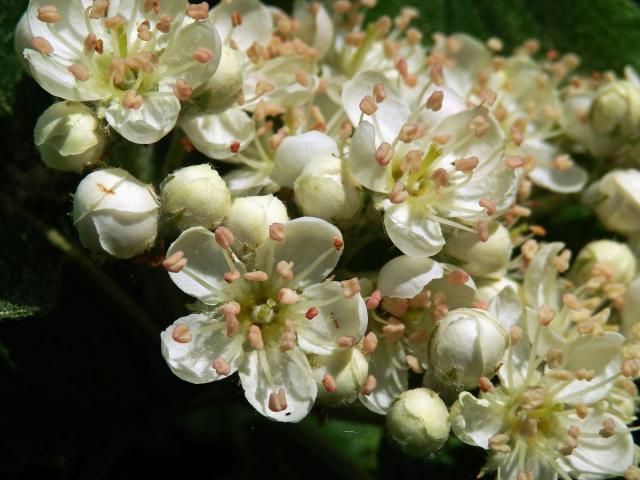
(84, 389)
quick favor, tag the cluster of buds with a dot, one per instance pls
(321, 123)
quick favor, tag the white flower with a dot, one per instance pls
(68, 136)
(455, 176)
(477, 257)
(419, 422)
(467, 344)
(547, 422)
(615, 198)
(194, 196)
(614, 259)
(263, 317)
(616, 108)
(412, 295)
(250, 218)
(135, 58)
(115, 213)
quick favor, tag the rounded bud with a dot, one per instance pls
(419, 422)
(221, 91)
(340, 376)
(481, 258)
(250, 217)
(615, 258)
(616, 200)
(68, 136)
(115, 213)
(616, 106)
(467, 344)
(490, 287)
(322, 191)
(194, 196)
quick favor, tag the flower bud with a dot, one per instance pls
(115, 213)
(195, 196)
(616, 201)
(617, 258)
(222, 90)
(467, 344)
(322, 191)
(340, 376)
(68, 136)
(630, 311)
(477, 257)
(616, 106)
(250, 217)
(419, 422)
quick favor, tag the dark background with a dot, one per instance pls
(84, 391)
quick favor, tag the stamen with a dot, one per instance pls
(144, 32)
(338, 243)
(368, 105)
(379, 92)
(164, 24)
(92, 44)
(436, 74)
(582, 411)
(175, 262)
(515, 334)
(346, 342)
(350, 287)
(483, 230)
(434, 102)
(48, 14)
(585, 374)
(374, 300)
(255, 337)
(42, 45)
(221, 367)
(302, 78)
(151, 5)
(458, 277)
(256, 276)
(418, 336)
(287, 296)
(278, 401)
(479, 126)
(369, 385)
(384, 154)
(116, 70)
(182, 90)
(181, 333)
(411, 131)
(224, 237)
(114, 23)
(467, 164)
(498, 443)
(495, 44)
(236, 19)
(231, 276)
(490, 205)
(608, 429)
(311, 313)
(276, 232)
(442, 139)
(79, 71)
(485, 385)
(369, 343)
(414, 364)
(545, 315)
(285, 269)
(198, 11)
(132, 100)
(513, 161)
(202, 55)
(629, 368)
(99, 10)
(263, 87)
(554, 357)
(288, 341)
(329, 383)
(394, 329)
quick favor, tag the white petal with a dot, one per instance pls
(452, 103)
(213, 134)
(392, 114)
(53, 75)
(475, 421)
(246, 181)
(180, 50)
(506, 307)
(411, 230)
(290, 371)
(405, 277)
(597, 457)
(202, 277)
(461, 295)
(309, 244)
(67, 35)
(153, 120)
(545, 175)
(362, 162)
(391, 381)
(603, 354)
(296, 151)
(539, 466)
(471, 58)
(193, 361)
(257, 23)
(341, 317)
(541, 278)
(316, 31)
(125, 234)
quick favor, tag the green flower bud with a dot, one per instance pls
(339, 376)
(616, 106)
(615, 258)
(194, 196)
(68, 136)
(222, 90)
(419, 422)
(250, 217)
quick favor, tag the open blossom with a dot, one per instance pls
(549, 416)
(262, 317)
(453, 175)
(132, 57)
(412, 295)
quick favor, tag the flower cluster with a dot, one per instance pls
(319, 125)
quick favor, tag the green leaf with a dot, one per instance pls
(604, 33)
(10, 69)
